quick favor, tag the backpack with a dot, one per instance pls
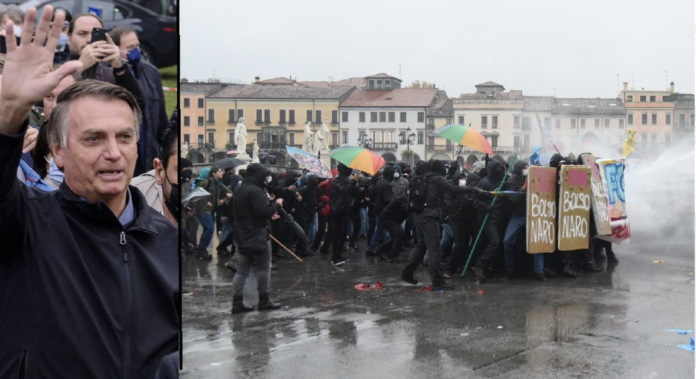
(417, 193)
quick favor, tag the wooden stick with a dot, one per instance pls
(286, 249)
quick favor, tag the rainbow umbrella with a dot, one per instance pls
(466, 136)
(358, 158)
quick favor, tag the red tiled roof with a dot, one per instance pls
(383, 75)
(403, 97)
(489, 84)
(280, 80)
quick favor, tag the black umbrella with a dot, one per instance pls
(229, 163)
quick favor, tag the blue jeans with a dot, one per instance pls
(363, 221)
(226, 230)
(312, 228)
(208, 224)
(539, 263)
(447, 238)
(380, 235)
(513, 230)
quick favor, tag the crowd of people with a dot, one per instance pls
(436, 213)
(89, 270)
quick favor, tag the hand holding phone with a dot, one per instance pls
(98, 34)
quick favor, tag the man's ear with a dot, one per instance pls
(57, 152)
(159, 171)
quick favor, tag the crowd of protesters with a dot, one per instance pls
(89, 270)
(431, 216)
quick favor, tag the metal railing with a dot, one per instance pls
(391, 146)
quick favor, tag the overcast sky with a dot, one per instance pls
(577, 47)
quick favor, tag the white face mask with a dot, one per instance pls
(396, 174)
(269, 179)
(524, 172)
(462, 182)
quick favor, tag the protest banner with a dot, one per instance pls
(600, 198)
(612, 173)
(574, 208)
(541, 210)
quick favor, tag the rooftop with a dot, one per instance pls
(204, 88)
(401, 97)
(443, 106)
(282, 92)
(489, 84)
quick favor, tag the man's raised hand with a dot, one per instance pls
(28, 75)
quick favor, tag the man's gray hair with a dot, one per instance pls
(60, 122)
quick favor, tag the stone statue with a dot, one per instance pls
(240, 137)
(307, 146)
(185, 150)
(325, 132)
(317, 141)
(255, 153)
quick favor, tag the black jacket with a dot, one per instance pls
(105, 73)
(496, 172)
(82, 295)
(383, 190)
(251, 205)
(438, 185)
(342, 191)
(310, 198)
(515, 183)
(396, 210)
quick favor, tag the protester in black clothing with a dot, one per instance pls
(391, 217)
(343, 190)
(463, 221)
(492, 229)
(307, 208)
(428, 223)
(382, 196)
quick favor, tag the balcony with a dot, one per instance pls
(438, 147)
(496, 149)
(272, 145)
(385, 146)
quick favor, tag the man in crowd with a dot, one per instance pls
(150, 81)
(101, 60)
(92, 255)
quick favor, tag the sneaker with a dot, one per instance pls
(370, 253)
(540, 277)
(569, 273)
(231, 265)
(408, 278)
(480, 274)
(443, 287)
(550, 273)
(353, 246)
(591, 267)
(611, 258)
(447, 275)
(394, 260)
(340, 262)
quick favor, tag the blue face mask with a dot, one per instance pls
(62, 41)
(54, 172)
(134, 56)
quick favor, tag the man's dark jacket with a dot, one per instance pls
(81, 295)
(155, 120)
(342, 191)
(251, 205)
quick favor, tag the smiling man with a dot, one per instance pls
(88, 273)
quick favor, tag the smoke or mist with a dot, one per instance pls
(660, 197)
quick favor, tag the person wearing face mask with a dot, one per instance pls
(496, 173)
(463, 223)
(149, 80)
(252, 213)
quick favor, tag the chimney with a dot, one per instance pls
(671, 87)
(625, 86)
(257, 80)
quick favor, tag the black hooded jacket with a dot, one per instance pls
(438, 185)
(397, 209)
(496, 172)
(251, 205)
(342, 190)
(383, 190)
(515, 183)
(284, 192)
(310, 197)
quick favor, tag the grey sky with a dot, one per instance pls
(577, 47)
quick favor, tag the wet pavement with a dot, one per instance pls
(602, 325)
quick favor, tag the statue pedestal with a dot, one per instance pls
(325, 158)
(246, 158)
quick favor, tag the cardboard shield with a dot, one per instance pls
(612, 173)
(574, 205)
(541, 210)
(600, 198)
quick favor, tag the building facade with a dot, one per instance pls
(192, 100)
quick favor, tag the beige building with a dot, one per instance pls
(275, 116)
(439, 115)
(192, 100)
